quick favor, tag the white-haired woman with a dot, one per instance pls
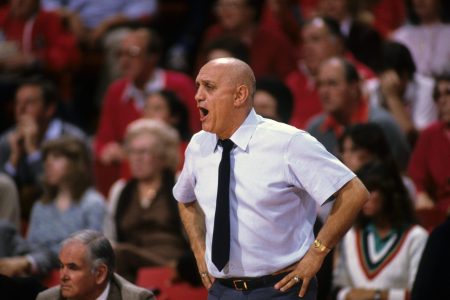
(143, 221)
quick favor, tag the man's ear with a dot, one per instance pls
(101, 274)
(241, 95)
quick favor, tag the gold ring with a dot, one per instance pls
(296, 279)
(203, 274)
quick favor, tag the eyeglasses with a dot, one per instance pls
(140, 152)
(132, 51)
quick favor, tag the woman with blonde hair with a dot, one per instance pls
(143, 221)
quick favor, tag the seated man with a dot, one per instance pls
(36, 122)
(344, 105)
(87, 271)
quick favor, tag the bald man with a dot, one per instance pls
(253, 238)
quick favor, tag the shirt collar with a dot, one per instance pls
(241, 137)
(54, 130)
(105, 293)
(155, 83)
(360, 115)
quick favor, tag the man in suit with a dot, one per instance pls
(87, 272)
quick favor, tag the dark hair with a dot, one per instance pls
(48, 89)
(78, 177)
(397, 57)
(280, 93)
(99, 248)
(331, 24)
(230, 44)
(368, 136)
(397, 206)
(437, 80)
(179, 110)
(444, 11)
(350, 72)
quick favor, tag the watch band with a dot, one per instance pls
(321, 247)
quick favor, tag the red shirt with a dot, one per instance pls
(306, 98)
(429, 166)
(42, 36)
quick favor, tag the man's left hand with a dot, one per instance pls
(303, 272)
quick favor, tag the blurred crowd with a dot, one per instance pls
(97, 105)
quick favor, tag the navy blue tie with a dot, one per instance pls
(221, 235)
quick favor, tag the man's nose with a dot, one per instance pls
(63, 276)
(199, 95)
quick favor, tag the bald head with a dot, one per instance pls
(237, 72)
(225, 88)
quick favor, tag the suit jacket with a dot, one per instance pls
(120, 290)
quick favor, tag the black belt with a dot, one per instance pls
(251, 283)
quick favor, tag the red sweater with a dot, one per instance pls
(429, 166)
(49, 43)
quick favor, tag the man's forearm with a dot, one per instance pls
(194, 224)
(349, 201)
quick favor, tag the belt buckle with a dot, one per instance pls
(240, 285)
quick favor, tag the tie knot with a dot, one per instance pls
(227, 145)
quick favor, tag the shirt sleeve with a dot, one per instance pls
(183, 191)
(312, 168)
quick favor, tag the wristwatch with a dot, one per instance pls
(319, 246)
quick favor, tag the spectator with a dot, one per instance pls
(166, 106)
(321, 40)
(344, 105)
(273, 99)
(31, 42)
(91, 20)
(20, 146)
(427, 36)
(430, 160)
(226, 47)
(125, 99)
(406, 94)
(35, 38)
(271, 53)
(68, 205)
(362, 40)
(379, 256)
(9, 201)
(143, 220)
(365, 143)
(87, 271)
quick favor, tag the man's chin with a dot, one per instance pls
(66, 292)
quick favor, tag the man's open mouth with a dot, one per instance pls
(203, 112)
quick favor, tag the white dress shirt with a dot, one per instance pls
(279, 174)
(105, 293)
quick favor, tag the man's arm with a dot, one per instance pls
(194, 224)
(349, 201)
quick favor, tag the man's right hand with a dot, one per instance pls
(207, 278)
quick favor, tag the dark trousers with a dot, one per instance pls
(221, 292)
